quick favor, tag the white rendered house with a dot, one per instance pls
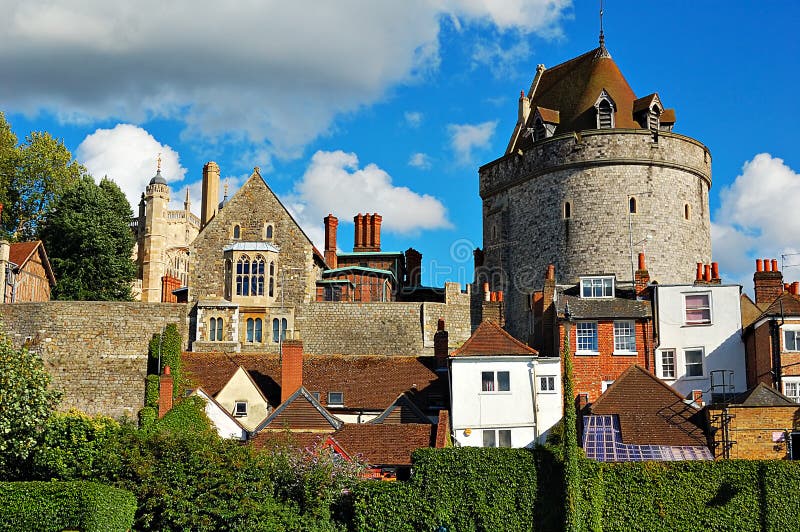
(699, 338)
(502, 393)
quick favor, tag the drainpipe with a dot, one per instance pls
(535, 402)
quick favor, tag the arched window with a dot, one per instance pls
(243, 276)
(257, 269)
(605, 117)
(237, 231)
(269, 232)
(271, 279)
(276, 330)
(284, 324)
(567, 210)
(632, 205)
(257, 332)
(250, 327)
(686, 211)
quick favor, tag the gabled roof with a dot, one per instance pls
(292, 414)
(548, 115)
(388, 376)
(763, 395)
(385, 445)
(21, 252)
(668, 116)
(490, 339)
(650, 411)
(786, 304)
(402, 410)
(750, 311)
(200, 392)
(646, 102)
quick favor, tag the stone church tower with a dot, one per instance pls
(591, 175)
(163, 237)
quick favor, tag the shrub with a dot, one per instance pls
(46, 506)
(151, 391)
(147, 417)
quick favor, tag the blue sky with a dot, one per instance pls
(359, 106)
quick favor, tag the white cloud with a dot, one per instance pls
(420, 160)
(413, 118)
(502, 62)
(127, 154)
(272, 72)
(466, 137)
(334, 183)
(757, 218)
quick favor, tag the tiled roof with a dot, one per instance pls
(301, 411)
(385, 444)
(750, 311)
(786, 304)
(549, 115)
(596, 308)
(650, 412)
(368, 382)
(667, 117)
(572, 88)
(490, 339)
(645, 102)
(763, 395)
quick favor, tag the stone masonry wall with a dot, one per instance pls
(96, 352)
(403, 329)
(596, 172)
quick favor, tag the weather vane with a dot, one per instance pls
(158, 161)
(602, 37)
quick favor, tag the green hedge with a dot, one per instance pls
(389, 507)
(46, 506)
(151, 391)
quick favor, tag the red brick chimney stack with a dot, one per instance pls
(367, 232)
(377, 219)
(441, 345)
(641, 278)
(767, 282)
(166, 386)
(366, 235)
(358, 221)
(291, 368)
(331, 224)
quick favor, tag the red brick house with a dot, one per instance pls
(610, 327)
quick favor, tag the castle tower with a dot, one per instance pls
(154, 246)
(591, 172)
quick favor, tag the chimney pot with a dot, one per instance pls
(796, 288)
(715, 270)
(440, 325)
(767, 265)
(775, 265)
(500, 296)
(441, 345)
(699, 275)
(486, 293)
(551, 272)
(786, 287)
(759, 265)
(166, 388)
(641, 262)
(707, 273)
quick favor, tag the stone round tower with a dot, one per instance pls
(592, 175)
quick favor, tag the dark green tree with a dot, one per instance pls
(26, 403)
(89, 242)
(8, 158)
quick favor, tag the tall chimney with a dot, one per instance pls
(291, 368)
(210, 200)
(358, 222)
(166, 387)
(413, 267)
(441, 345)
(767, 284)
(366, 235)
(641, 278)
(377, 219)
(331, 223)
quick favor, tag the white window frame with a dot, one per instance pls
(598, 281)
(702, 363)
(795, 330)
(496, 381)
(332, 402)
(692, 323)
(495, 438)
(791, 388)
(630, 324)
(236, 410)
(578, 350)
(547, 383)
(661, 373)
(604, 385)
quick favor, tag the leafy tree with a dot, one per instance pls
(89, 243)
(44, 171)
(26, 402)
(8, 157)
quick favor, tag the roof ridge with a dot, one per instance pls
(489, 325)
(632, 368)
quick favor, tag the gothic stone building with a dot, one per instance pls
(590, 174)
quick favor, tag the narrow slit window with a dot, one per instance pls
(237, 232)
(632, 205)
(686, 211)
(567, 210)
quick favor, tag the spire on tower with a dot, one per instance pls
(602, 37)
(158, 160)
(187, 203)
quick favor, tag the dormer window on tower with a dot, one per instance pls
(597, 287)
(606, 108)
(545, 122)
(647, 111)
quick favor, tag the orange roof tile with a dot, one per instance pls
(490, 339)
(369, 382)
(650, 412)
(21, 252)
(667, 117)
(548, 115)
(385, 444)
(785, 304)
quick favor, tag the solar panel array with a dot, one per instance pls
(602, 441)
